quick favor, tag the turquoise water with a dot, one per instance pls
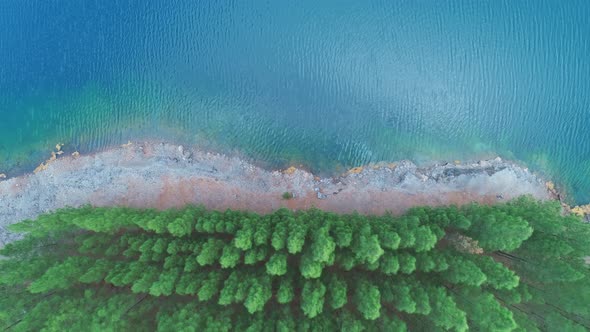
(327, 84)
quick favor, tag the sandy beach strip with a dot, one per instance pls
(163, 175)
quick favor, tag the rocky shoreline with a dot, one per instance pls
(163, 175)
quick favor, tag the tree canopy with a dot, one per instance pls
(517, 266)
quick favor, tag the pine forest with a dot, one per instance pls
(516, 266)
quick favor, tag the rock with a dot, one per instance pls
(129, 144)
(290, 170)
(186, 154)
(40, 168)
(582, 210)
(322, 196)
(483, 163)
(355, 170)
(2, 176)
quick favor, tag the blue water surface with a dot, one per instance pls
(327, 84)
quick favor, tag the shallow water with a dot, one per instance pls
(328, 84)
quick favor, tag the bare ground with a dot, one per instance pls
(165, 175)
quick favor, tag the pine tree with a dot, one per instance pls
(499, 231)
(259, 293)
(368, 300)
(277, 264)
(337, 292)
(285, 292)
(312, 298)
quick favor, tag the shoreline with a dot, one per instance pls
(164, 175)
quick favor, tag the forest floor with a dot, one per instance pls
(161, 175)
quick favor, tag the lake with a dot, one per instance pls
(324, 84)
